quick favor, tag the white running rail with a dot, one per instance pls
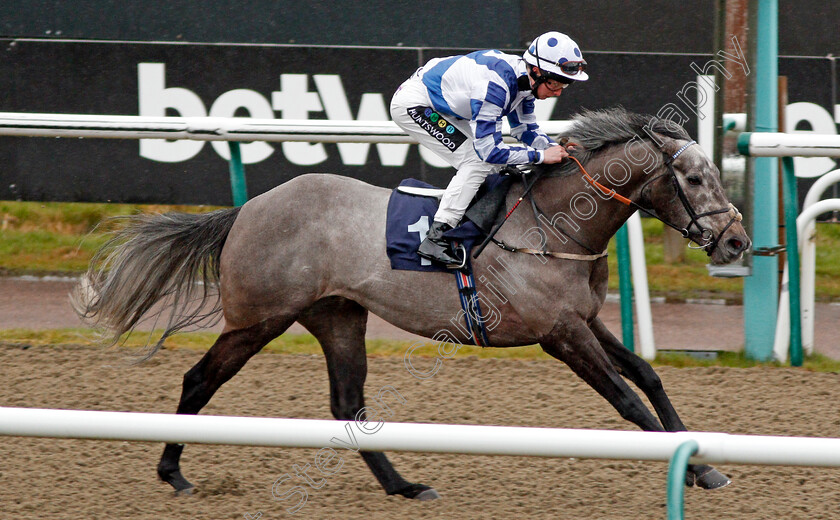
(432, 438)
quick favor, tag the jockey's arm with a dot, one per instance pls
(486, 125)
(524, 128)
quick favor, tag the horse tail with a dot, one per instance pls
(170, 258)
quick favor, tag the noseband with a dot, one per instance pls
(709, 240)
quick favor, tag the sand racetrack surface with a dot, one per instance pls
(84, 479)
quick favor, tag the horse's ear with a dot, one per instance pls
(666, 144)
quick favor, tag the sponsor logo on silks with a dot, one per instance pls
(438, 127)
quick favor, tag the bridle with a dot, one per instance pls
(710, 241)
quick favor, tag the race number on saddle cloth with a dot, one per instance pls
(409, 219)
(410, 216)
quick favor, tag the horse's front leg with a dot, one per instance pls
(642, 375)
(572, 342)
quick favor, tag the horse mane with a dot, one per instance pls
(594, 130)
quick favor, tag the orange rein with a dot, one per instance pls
(603, 189)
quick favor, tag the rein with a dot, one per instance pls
(537, 214)
(710, 241)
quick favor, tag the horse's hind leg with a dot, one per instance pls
(642, 375)
(339, 325)
(225, 358)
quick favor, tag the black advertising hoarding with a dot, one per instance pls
(465, 23)
(265, 81)
(812, 107)
(188, 80)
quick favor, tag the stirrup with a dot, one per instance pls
(463, 251)
(462, 260)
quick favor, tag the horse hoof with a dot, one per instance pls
(183, 487)
(184, 492)
(417, 492)
(429, 494)
(712, 479)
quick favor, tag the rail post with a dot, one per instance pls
(237, 175)
(625, 286)
(791, 205)
(761, 291)
(676, 478)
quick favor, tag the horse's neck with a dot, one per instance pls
(572, 204)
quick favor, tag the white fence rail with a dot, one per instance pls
(214, 128)
(431, 438)
(776, 144)
(808, 258)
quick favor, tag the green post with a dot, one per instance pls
(625, 286)
(761, 288)
(237, 175)
(792, 238)
(676, 478)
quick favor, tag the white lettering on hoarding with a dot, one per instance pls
(820, 122)
(292, 101)
(371, 108)
(257, 106)
(154, 99)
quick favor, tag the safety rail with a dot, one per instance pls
(784, 331)
(808, 258)
(677, 447)
(779, 144)
(215, 128)
(787, 146)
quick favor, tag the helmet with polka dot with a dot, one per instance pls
(557, 56)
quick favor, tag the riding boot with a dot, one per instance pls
(437, 248)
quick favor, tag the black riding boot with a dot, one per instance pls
(437, 248)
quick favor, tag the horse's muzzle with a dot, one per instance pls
(730, 248)
(735, 246)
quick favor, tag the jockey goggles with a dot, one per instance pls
(572, 68)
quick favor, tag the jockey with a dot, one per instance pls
(454, 106)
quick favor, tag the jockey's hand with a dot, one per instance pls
(554, 154)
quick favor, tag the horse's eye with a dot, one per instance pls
(694, 180)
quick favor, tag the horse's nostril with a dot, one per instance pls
(735, 245)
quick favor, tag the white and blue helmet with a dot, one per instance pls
(558, 56)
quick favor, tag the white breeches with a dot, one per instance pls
(433, 131)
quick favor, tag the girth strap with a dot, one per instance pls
(552, 254)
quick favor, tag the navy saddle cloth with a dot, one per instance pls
(410, 216)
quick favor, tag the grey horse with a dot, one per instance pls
(313, 251)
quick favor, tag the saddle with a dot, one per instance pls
(412, 207)
(486, 208)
